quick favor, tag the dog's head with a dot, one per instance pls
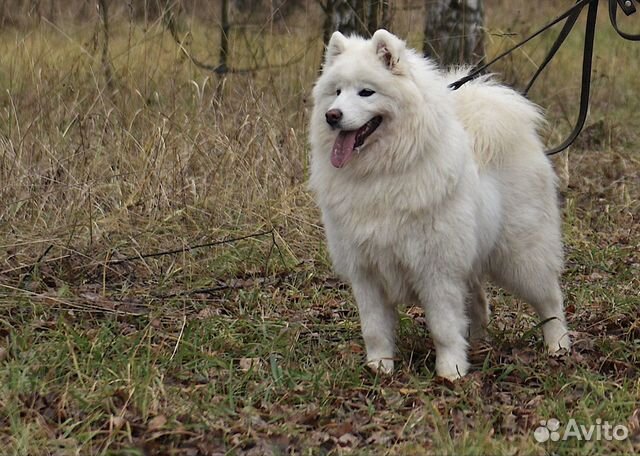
(360, 92)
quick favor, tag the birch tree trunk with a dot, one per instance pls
(360, 17)
(379, 15)
(453, 32)
(345, 17)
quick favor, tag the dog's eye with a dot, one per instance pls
(366, 92)
(338, 92)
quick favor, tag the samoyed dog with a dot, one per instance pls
(426, 192)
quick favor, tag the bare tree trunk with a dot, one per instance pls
(453, 32)
(346, 17)
(52, 11)
(360, 17)
(223, 67)
(3, 12)
(106, 62)
(327, 26)
(224, 35)
(379, 15)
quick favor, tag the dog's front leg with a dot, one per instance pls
(378, 320)
(443, 300)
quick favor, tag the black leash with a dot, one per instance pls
(571, 16)
(587, 59)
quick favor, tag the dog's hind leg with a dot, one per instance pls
(378, 320)
(534, 278)
(477, 311)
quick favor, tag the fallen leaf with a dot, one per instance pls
(247, 364)
(208, 312)
(407, 391)
(157, 423)
(634, 421)
(339, 429)
(354, 347)
(116, 422)
(308, 418)
(509, 424)
(380, 438)
(319, 437)
(348, 439)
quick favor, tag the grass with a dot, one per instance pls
(252, 346)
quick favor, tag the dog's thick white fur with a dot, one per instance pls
(452, 187)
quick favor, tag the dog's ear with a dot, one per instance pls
(337, 45)
(390, 49)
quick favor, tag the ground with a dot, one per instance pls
(165, 287)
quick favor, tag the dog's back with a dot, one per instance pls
(502, 123)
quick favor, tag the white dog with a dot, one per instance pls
(425, 191)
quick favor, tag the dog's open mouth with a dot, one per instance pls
(348, 141)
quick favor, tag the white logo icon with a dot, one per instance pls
(542, 434)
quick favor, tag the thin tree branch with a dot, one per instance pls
(188, 248)
(170, 24)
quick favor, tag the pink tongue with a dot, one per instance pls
(342, 150)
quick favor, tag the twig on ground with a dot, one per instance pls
(238, 284)
(28, 274)
(188, 248)
(175, 348)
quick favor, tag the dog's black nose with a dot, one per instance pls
(333, 117)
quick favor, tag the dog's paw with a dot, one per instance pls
(451, 369)
(381, 366)
(560, 346)
(451, 376)
(556, 336)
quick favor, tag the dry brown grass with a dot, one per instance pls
(162, 157)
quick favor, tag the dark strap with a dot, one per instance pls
(587, 59)
(479, 70)
(564, 33)
(627, 8)
(571, 16)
